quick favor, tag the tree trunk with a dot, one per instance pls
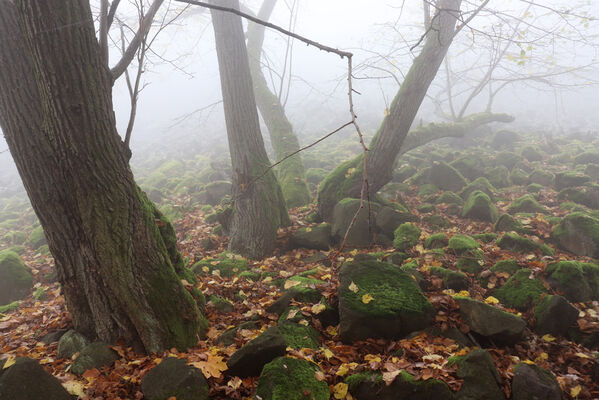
(346, 180)
(259, 207)
(291, 172)
(115, 255)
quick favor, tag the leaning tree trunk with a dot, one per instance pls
(346, 179)
(115, 255)
(259, 208)
(291, 172)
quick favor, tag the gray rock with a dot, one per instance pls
(481, 379)
(388, 219)
(578, 233)
(174, 378)
(27, 380)
(479, 206)
(366, 386)
(15, 279)
(95, 355)
(70, 343)
(291, 378)
(215, 191)
(554, 315)
(532, 382)
(446, 177)
(316, 237)
(249, 360)
(361, 234)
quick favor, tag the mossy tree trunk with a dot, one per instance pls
(259, 206)
(346, 180)
(115, 256)
(291, 172)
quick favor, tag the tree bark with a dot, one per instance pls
(291, 172)
(346, 180)
(115, 255)
(259, 207)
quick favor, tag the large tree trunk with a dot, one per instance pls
(346, 180)
(259, 207)
(115, 256)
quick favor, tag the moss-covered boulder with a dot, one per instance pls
(514, 242)
(520, 291)
(450, 198)
(534, 188)
(507, 223)
(518, 177)
(406, 236)
(370, 386)
(499, 177)
(587, 196)
(15, 238)
(361, 233)
(592, 170)
(469, 166)
(510, 266)
(70, 343)
(479, 206)
(532, 382)
(226, 264)
(388, 219)
(578, 281)
(481, 184)
(507, 159)
(174, 378)
(303, 288)
(451, 279)
(462, 244)
(566, 179)
(578, 233)
(526, 204)
(436, 241)
(554, 315)
(315, 237)
(446, 177)
(15, 279)
(299, 336)
(436, 221)
(26, 379)
(251, 358)
(505, 139)
(485, 237)
(94, 355)
(588, 157)
(215, 191)
(377, 299)
(287, 378)
(37, 238)
(481, 379)
(471, 262)
(540, 177)
(491, 322)
(532, 153)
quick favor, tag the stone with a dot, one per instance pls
(251, 358)
(499, 177)
(70, 343)
(520, 292)
(370, 386)
(469, 166)
(532, 382)
(215, 191)
(505, 139)
(397, 308)
(450, 198)
(299, 336)
(507, 223)
(578, 233)
(315, 237)
(287, 378)
(174, 378)
(481, 184)
(436, 241)
(94, 355)
(406, 236)
(507, 159)
(37, 238)
(446, 177)
(491, 322)
(226, 264)
(481, 379)
(514, 242)
(541, 177)
(462, 244)
(579, 282)
(526, 204)
(388, 219)
(53, 336)
(228, 338)
(15, 279)
(479, 206)
(566, 179)
(361, 233)
(451, 279)
(554, 315)
(532, 153)
(27, 380)
(588, 157)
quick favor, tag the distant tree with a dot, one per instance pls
(258, 203)
(115, 254)
(291, 172)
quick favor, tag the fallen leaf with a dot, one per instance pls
(289, 284)
(318, 308)
(10, 361)
(367, 298)
(353, 287)
(75, 388)
(491, 300)
(340, 391)
(319, 375)
(235, 383)
(212, 367)
(548, 338)
(575, 391)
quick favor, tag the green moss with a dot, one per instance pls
(436, 221)
(427, 190)
(171, 168)
(287, 378)
(472, 263)
(15, 238)
(510, 266)
(534, 188)
(450, 198)
(354, 380)
(406, 236)
(10, 307)
(507, 159)
(479, 206)
(451, 279)
(227, 264)
(499, 177)
(426, 208)
(338, 184)
(299, 336)
(15, 278)
(462, 243)
(17, 249)
(519, 291)
(435, 241)
(36, 238)
(578, 281)
(252, 275)
(514, 242)
(485, 237)
(39, 294)
(306, 290)
(507, 223)
(221, 304)
(526, 203)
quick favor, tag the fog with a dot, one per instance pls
(181, 75)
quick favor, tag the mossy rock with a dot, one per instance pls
(406, 236)
(173, 378)
(507, 159)
(526, 204)
(507, 223)
(404, 172)
(532, 153)
(587, 196)
(26, 379)
(94, 355)
(36, 238)
(588, 157)
(510, 266)
(579, 234)
(228, 265)
(491, 322)
(221, 304)
(540, 177)
(499, 177)
(397, 308)
(436, 221)
(479, 206)
(520, 292)
(592, 170)
(481, 379)
(303, 288)
(427, 190)
(299, 336)
(534, 188)
(15, 279)
(315, 237)
(251, 358)
(532, 382)
(361, 233)
(518, 177)
(315, 175)
(505, 139)
(514, 242)
(10, 307)
(216, 191)
(446, 177)
(554, 315)
(15, 238)
(287, 378)
(451, 279)
(436, 241)
(388, 219)
(472, 262)
(469, 166)
(481, 184)
(566, 179)
(450, 198)
(485, 237)
(17, 249)
(462, 244)
(579, 282)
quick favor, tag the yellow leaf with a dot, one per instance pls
(185, 283)
(212, 367)
(387, 112)
(353, 287)
(326, 277)
(528, 362)
(308, 229)
(464, 293)
(303, 322)
(548, 338)
(206, 269)
(581, 355)
(289, 284)
(491, 300)
(340, 391)
(331, 330)
(343, 370)
(327, 353)
(575, 391)
(268, 279)
(367, 298)
(235, 383)
(372, 358)
(10, 361)
(353, 252)
(75, 388)
(432, 357)
(318, 308)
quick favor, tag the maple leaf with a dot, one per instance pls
(353, 287)
(340, 390)
(235, 383)
(367, 298)
(212, 367)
